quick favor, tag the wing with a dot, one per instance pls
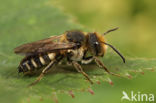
(47, 45)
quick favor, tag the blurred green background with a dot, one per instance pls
(135, 38)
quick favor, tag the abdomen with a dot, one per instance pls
(35, 62)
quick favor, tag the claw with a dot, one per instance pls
(90, 91)
(129, 76)
(110, 81)
(55, 99)
(98, 82)
(71, 93)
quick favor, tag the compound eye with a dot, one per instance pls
(97, 47)
(96, 43)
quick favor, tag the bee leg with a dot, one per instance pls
(79, 69)
(44, 71)
(87, 60)
(101, 65)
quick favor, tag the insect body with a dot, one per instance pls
(72, 45)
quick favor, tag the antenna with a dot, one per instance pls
(110, 30)
(115, 51)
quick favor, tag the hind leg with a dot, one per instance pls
(44, 71)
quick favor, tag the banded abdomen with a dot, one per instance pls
(35, 62)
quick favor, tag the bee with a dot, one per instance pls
(74, 46)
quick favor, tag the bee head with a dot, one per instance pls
(94, 44)
(97, 45)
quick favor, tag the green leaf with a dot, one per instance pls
(26, 21)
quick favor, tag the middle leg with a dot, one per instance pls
(79, 69)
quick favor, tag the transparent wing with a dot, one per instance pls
(46, 45)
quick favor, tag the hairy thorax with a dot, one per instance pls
(77, 54)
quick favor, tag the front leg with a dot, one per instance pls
(79, 69)
(101, 65)
(87, 60)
